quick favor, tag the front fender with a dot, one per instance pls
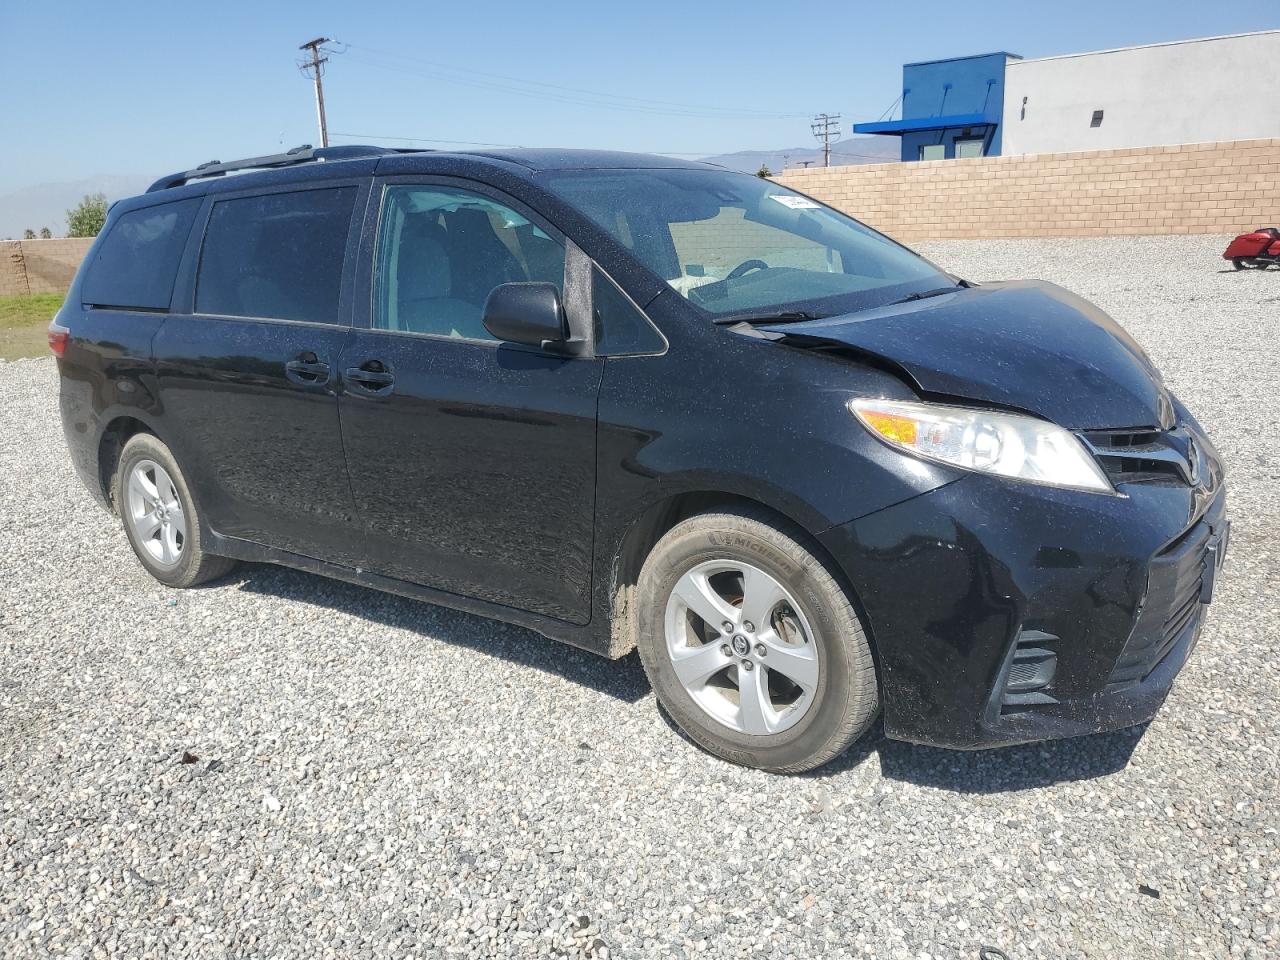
(720, 411)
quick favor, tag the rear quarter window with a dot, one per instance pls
(137, 261)
(277, 256)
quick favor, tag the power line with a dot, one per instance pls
(504, 146)
(526, 81)
(507, 146)
(523, 86)
(573, 100)
(698, 154)
(314, 65)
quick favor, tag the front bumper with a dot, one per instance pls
(978, 591)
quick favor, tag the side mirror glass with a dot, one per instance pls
(529, 313)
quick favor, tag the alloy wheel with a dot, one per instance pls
(155, 513)
(741, 647)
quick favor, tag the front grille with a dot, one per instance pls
(1172, 606)
(1145, 456)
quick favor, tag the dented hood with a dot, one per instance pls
(1026, 344)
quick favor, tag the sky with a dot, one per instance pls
(142, 89)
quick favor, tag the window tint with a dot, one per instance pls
(137, 261)
(620, 327)
(278, 255)
(441, 251)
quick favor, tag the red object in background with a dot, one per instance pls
(1258, 249)
(58, 337)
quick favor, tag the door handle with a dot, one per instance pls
(373, 378)
(307, 369)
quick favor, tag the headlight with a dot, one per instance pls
(1007, 444)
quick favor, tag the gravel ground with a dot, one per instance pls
(283, 766)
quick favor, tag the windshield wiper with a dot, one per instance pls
(925, 295)
(779, 316)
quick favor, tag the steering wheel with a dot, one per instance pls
(745, 267)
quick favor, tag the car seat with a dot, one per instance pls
(479, 260)
(424, 301)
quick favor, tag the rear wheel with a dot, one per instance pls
(160, 517)
(751, 644)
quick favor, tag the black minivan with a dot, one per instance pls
(630, 402)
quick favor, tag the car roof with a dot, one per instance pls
(301, 166)
(553, 158)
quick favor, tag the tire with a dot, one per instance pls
(812, 672)
(171, 549)
(1238, 262)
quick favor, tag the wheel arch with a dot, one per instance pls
(653, 523)
(117, 432)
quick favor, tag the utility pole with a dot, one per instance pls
(826, 127)
(314, 65)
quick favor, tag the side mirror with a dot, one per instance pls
(528, 313)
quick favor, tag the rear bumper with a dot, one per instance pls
(977, 592)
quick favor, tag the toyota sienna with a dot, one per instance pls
(630, 402)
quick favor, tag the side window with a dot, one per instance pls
(137, 261)
(620, 327)
(441, 250)
(278, 256)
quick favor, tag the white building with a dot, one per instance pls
(1190, 91)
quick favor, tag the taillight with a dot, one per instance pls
(58, 337)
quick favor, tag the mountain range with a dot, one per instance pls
(855, 150)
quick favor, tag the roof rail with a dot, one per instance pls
(303, 154)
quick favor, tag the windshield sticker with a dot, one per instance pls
(795, 203)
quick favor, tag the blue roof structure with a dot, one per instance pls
(920, 124)
(945, 101)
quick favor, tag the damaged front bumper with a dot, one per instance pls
(1004, 613)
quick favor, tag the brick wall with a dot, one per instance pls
(1190, 188)
(40, 266)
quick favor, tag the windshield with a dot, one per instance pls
(732, 243)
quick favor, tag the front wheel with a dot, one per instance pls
(160, 516)
(751, 644)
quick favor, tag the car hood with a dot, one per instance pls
(1025, 344)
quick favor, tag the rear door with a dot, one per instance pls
(247, 366)
(472, 461)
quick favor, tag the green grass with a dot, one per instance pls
(23, 324)
(24, 311)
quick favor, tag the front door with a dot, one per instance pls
(247, 369)
(472, 461)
